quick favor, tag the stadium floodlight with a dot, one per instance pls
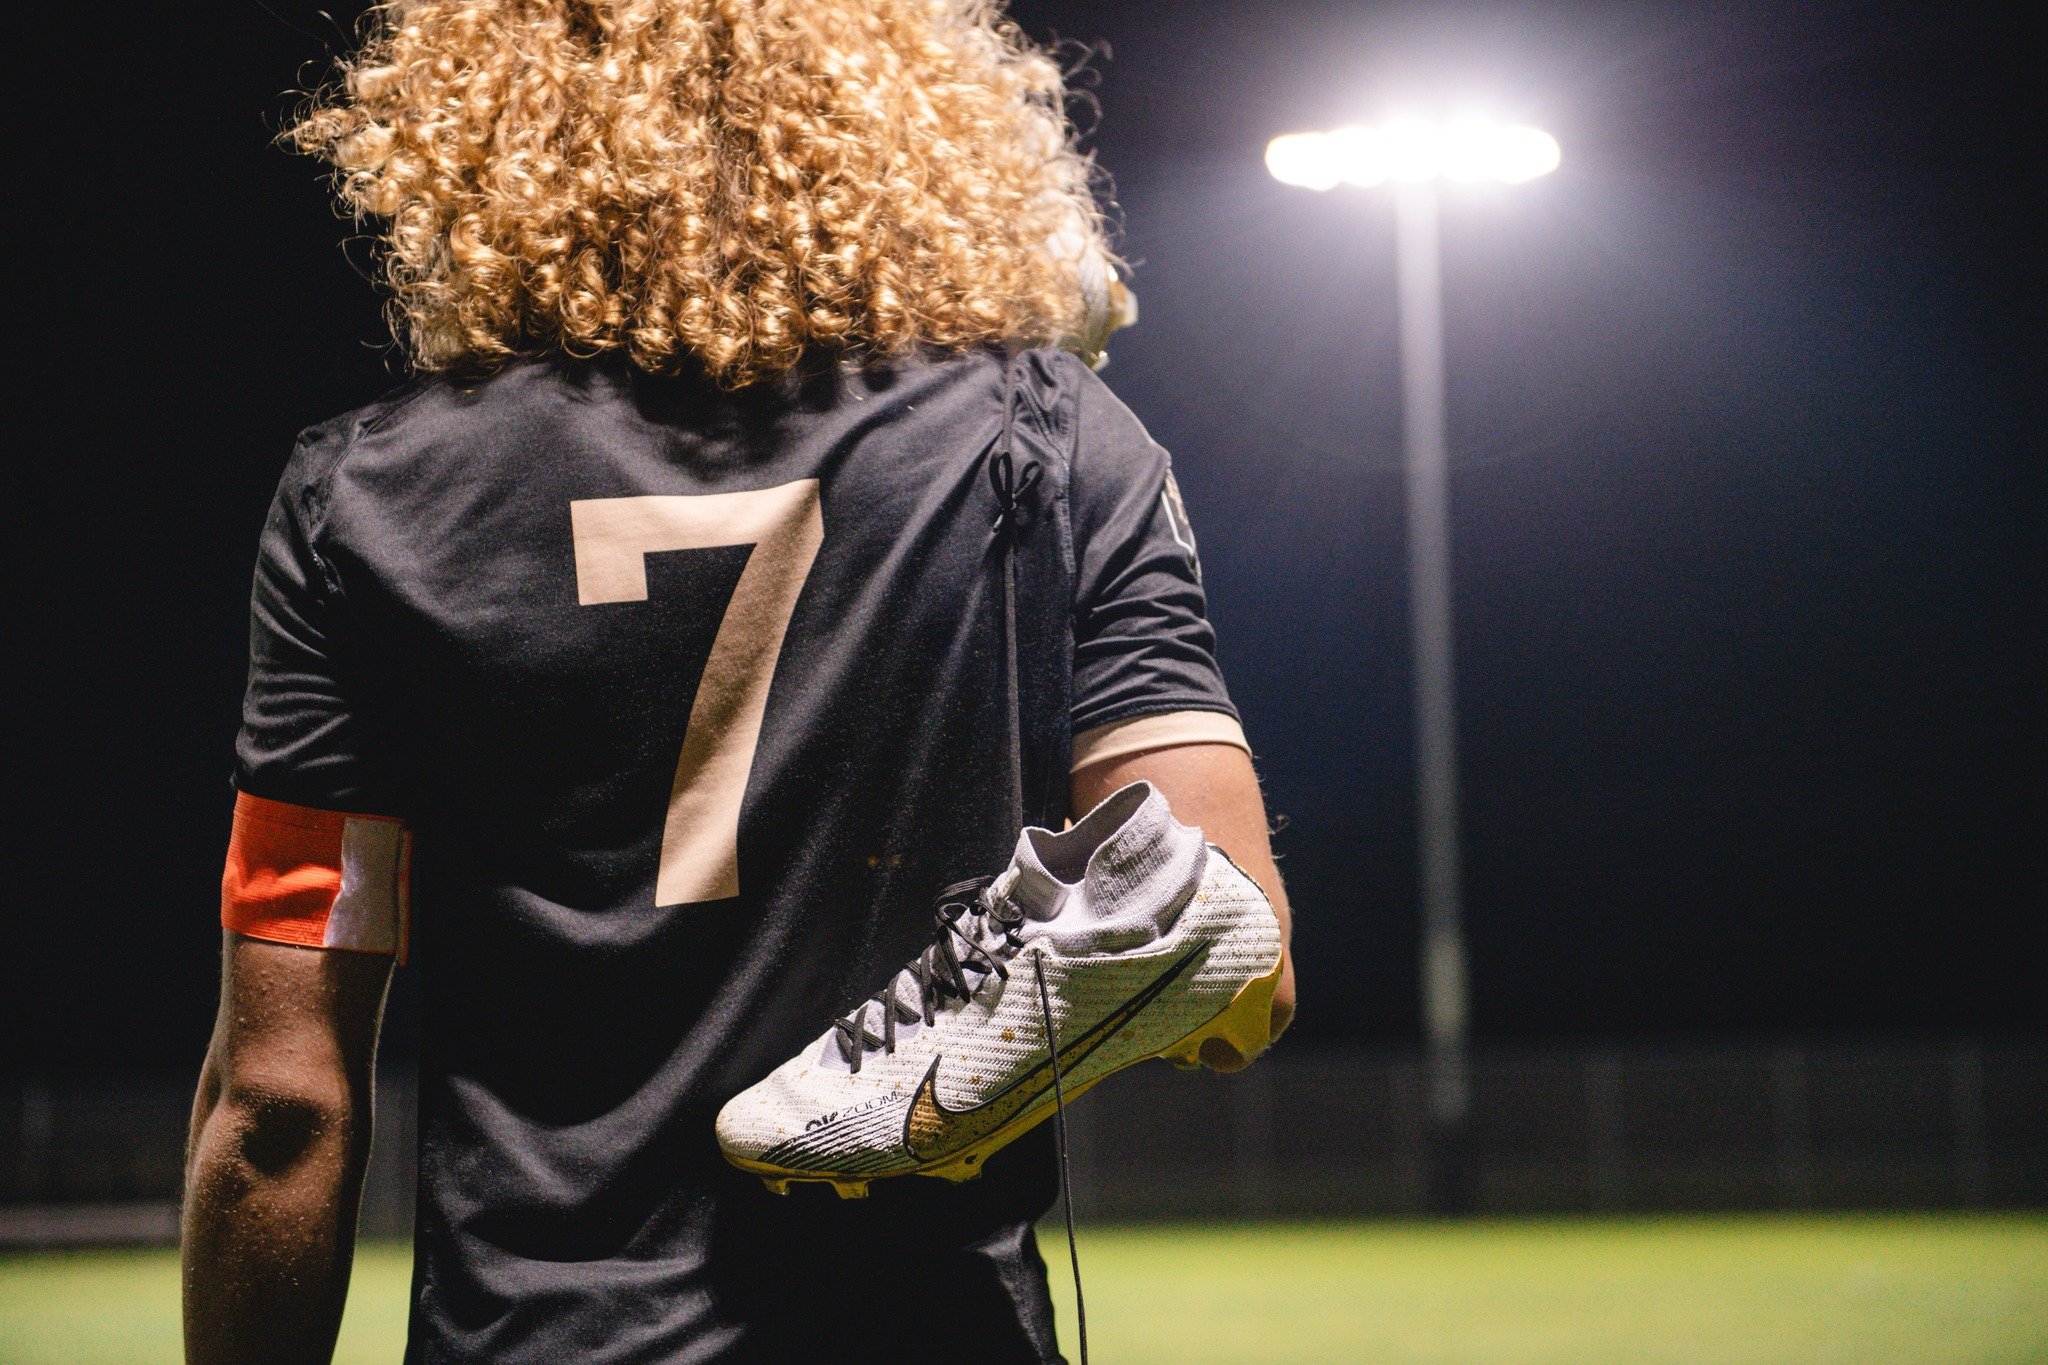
(1411, 151)
(1413, 155)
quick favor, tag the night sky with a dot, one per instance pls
(1748, 492)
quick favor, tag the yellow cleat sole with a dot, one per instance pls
(1245, 1024)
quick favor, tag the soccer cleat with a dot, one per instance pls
(1126, 933)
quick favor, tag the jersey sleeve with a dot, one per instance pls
(1143, 646)
(318, 855)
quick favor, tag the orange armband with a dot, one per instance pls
(319, 878)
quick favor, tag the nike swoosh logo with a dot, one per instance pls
(932, 1132)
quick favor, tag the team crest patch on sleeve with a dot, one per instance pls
(319, 878)
(1177, 520)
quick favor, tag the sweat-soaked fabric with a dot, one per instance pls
(422, 648)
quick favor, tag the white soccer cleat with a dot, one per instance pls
(1149, 943)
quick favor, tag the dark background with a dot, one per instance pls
(1748, 495)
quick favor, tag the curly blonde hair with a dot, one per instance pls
(738, 181)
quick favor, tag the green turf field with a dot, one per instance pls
(1794, 1289)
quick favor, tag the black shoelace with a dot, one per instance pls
(940, 971)
(1059, 1132)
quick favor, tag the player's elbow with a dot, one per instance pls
(277, 1124)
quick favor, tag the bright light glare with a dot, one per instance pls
(1302, 159)
(1411, 151)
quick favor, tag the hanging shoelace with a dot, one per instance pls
(1059, 1133)
(986, 942)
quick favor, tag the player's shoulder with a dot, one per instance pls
(434, 427)
(320, 449)
(1058, 392)
(433, 405)
(1048, 380)
(1066, 410)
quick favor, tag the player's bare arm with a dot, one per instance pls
(280, 1135)
(1211, 786)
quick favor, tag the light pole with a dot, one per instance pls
(1415, 156)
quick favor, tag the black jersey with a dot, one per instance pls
(672, 709)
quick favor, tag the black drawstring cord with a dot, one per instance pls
(1013, 482)
(1059, 1128)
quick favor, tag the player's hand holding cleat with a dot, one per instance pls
(1148, 942)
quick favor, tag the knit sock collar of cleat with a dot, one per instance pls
(978, 932)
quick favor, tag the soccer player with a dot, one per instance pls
(641, 672)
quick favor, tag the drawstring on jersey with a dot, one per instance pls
(1012, 484)
(1012, 481)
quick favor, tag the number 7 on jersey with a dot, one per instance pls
(613, 537)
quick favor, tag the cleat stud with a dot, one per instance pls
(775, 1186)
(851, 1189)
